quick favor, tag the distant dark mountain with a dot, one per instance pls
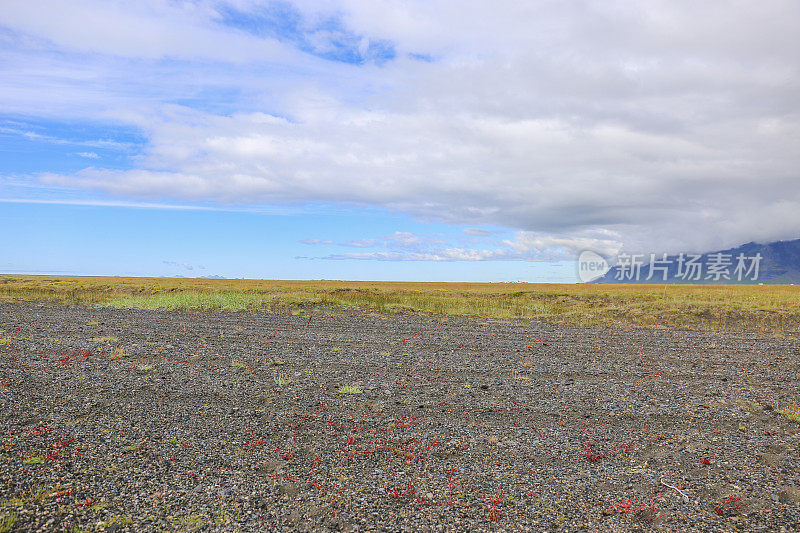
(779, 264)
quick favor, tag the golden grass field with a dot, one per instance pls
(773, 308)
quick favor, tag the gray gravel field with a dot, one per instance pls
(130, 420)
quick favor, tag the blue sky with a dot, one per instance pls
(68, 239)
(60, 231)
(383, 140)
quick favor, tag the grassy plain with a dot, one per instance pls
(773, 308)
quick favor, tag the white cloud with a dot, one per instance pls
(407, 246)
(88, 155)
(184, 265)
(526, 242)
(407, 239)
(141, 30)
(477, 232)
(93, 143)
(450, 254)
(657, 125)
(360, 243)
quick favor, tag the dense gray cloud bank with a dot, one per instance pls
(662, 126)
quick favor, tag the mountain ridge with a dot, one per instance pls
(779, 264)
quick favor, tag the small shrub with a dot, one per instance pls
(792, 412)
(144, 368)
(350, 389)
(33, 460)
(281, 380)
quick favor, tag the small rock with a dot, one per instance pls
(272, 466)
(289, 489)
(789, 495)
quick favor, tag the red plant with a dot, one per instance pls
(591, 456)
(728, 506)
(417, 335)
(632, 506)
(492, 512)
(493, 461)
(59, 493)
(648, 377)
(707, 460)
(621, 447)
(256, 441)
(61, 448)
(400, 422)
(75, 357)
(334, 501)
(35, 432)
(451, 474)
(628, 507)
(288, 455)
(410, 490)
(14, 336)
(87, 502)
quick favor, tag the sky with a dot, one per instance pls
(405, 140)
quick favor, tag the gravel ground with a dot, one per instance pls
(127, 420)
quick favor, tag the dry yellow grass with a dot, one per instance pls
(774, 308)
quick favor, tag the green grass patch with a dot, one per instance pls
(7, 522)
(109, 339)
(193, 522)
(767, 308)
(350, 389)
